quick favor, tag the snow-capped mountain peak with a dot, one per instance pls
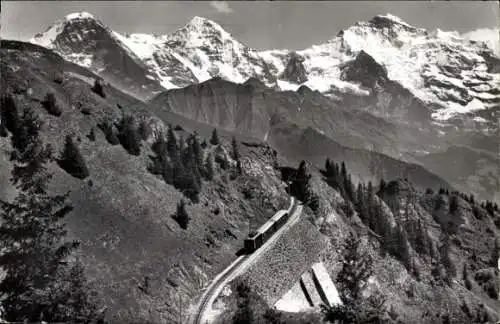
(445, 71)
(49, 36)
(394, 19)
(200, 22)
(209, 51)
(79, 15)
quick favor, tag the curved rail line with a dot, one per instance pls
(207, 298)
(214, 289)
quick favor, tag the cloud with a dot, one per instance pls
(221, 6)
(488, 35)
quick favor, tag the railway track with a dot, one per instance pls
(212, 293)
(241, 263)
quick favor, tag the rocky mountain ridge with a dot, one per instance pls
(451, 75)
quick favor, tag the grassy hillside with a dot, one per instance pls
(123, 213)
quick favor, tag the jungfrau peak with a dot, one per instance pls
(440, 68)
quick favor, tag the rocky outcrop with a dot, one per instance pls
(295, 71)
(366, 70)
(387, 99)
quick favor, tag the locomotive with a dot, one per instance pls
(257, 238)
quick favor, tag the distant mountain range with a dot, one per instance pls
(450, 74)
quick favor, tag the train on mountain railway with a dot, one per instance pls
(257, 238)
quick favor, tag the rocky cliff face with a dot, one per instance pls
(295, 71)
(387, 99)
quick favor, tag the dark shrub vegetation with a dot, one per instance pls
(72, 161)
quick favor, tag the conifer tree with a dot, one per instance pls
(3, 129)
(346, 187)
(9, 113)
(49, 103)
(144, 130)
(181, 215)
(465, 277)
(197, 151)
(398, 247)
(209, 167)
(382, 225)
(360, 203)
(239, 168)
(192, 161)
(343, 171)
(356, 269)
(180, 174)
(108, 129)
(300, 184)
(182, 145)
(29, 152)
(91, 135)
(33, 244)
(167, 171)
(300, 188)
(349, 188)
(381, 186)
(446, 261)
(159, 146)
(214, 140)
(331, 174)
(422, 240)
(3, 117)
(495, 254)
(328, 168)
(160, 159)
(244, 313)
(453, 204)
(98, 88)
(129, 136)
(72, 161)
(235, 152)
(172, 147)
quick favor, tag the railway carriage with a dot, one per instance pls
(251, 242)
(256, 239)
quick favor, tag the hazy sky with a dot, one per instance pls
(259, 24)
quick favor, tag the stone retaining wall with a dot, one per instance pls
(282, 265)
